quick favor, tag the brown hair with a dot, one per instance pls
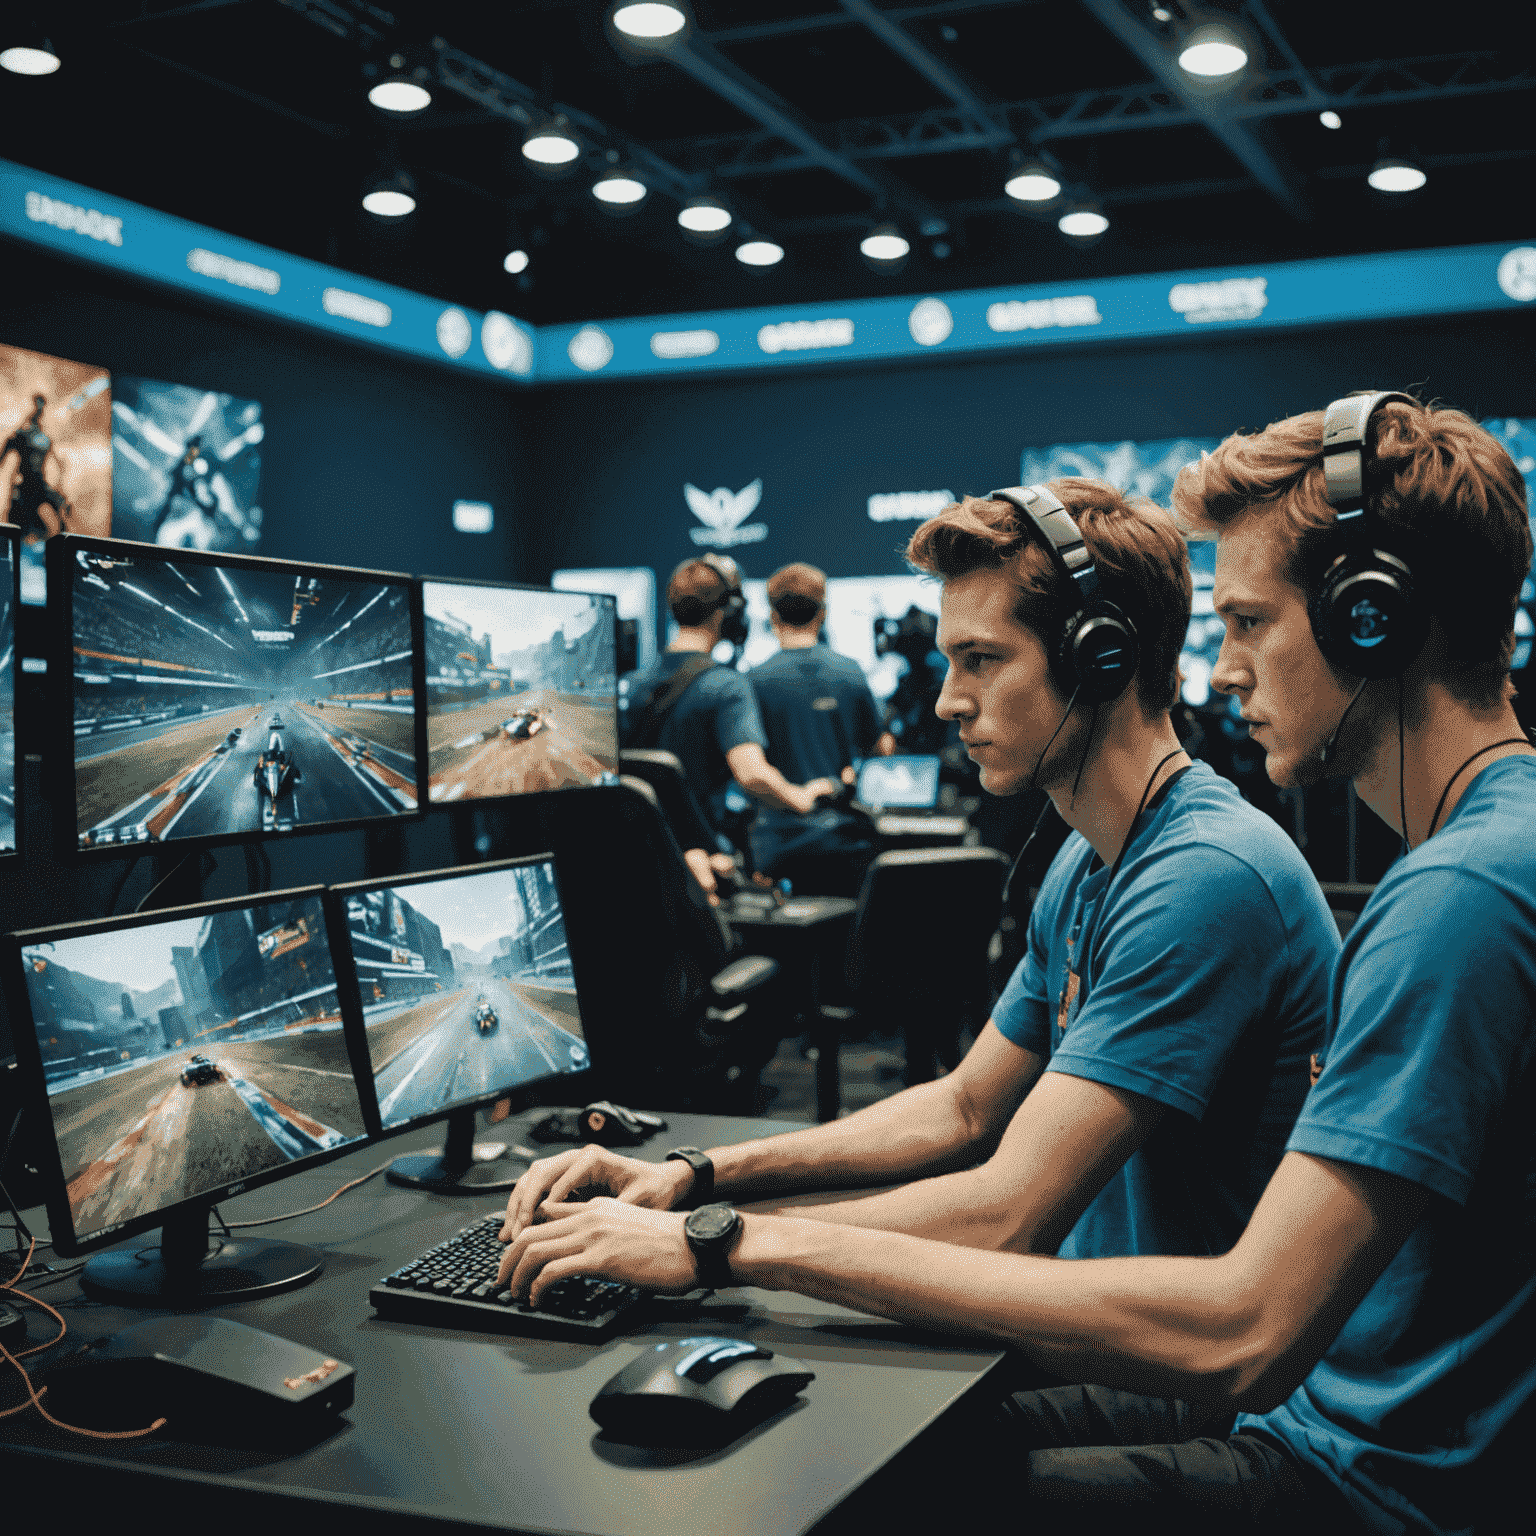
(1137, 550)
(797, 593)
(698, 587)
(1444, 485)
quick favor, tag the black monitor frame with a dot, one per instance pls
(185, 1221)
(510, 586)
(445, 1173)
(60, 657)
(10, 693)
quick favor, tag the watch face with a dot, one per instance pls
(710, 1222)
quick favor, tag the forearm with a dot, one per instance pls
(764, 782)
(1171, 1327)
(918, 1132)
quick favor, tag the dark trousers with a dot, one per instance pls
(1098, 1459)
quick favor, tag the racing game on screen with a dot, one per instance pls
(186, 1054)
(521, 690)
(466, 988)
(212, 700)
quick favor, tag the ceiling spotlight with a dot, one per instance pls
(1084, 224)
(1390, 174)
(550, 147)
(759, 253)
(1330, 119)
(390, 195)
(400, 96)
(650, 23)
(515, 261)
(704, 216)
(1161, 14)
(617, 190)
(1211, 53)
(36, 57)
(885, 247)
(1032, 183)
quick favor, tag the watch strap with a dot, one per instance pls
(703, 1190)
(712, 1254)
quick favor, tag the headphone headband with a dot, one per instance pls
(1345, 424)
(1057, 532)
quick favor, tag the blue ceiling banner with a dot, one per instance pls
(91, 226)
(94, 227)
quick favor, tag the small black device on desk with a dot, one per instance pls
(209, 1377)
(697, 1391)
(454, 1285)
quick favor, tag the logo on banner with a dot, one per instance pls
(724, 513)
(1232, 298)
(1517, 273)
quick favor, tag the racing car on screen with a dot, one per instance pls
(276, 775)
(199, 1070)
(525, 724)
(485, 1017)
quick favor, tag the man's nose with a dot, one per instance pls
(1227, 676)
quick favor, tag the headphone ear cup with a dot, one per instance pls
(1097, 654)
(1366, 617)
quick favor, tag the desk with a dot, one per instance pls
(472, 1430)
(808, 933)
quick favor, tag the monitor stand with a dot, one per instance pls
(454, 1170)
(186, 1271)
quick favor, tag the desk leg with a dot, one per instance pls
(826, 1036)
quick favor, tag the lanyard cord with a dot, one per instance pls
(1493, 746)
(1114, 870)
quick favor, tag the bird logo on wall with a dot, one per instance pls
(724, 513)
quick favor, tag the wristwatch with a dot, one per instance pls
(703, 1173)
(711, 1230)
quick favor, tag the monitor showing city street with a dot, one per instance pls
(183, 1054)
(226, 698)
(466, 987)
(521, 690)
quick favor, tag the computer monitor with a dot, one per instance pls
(10, 778)
(467, 995)
(221, 697)
(910, 782)
(176, 1059)
(521, 690)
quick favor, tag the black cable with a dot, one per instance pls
(1034, 777)
(1327, 751)
(1082, 762)
(117, 890)
(1508, 741)
(1402, 803)
(170, 874)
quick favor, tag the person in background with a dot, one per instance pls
(706, 714)
(820, 716)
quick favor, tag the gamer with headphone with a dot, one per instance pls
(1134, 1088)
(704, 713)
(1374, 1322)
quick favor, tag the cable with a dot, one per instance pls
(1327, 751)
(309, 1210)
(1034, 776)
(1082, 762)
(117, 890)
(1508, 741)
(1402, 803)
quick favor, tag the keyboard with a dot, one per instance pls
(454, 1286)
(918, 825)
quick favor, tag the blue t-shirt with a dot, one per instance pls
(1201, 981)
(1422, 1408)
(717, 711)
(805, 742)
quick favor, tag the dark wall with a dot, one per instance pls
(365, 452)
(611, 460)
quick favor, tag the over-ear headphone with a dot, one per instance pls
(731, 602)
(1367, 615)
(1094, 654)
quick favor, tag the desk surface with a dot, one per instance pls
(477, 1429)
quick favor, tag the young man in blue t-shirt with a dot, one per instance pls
(1134, 1088)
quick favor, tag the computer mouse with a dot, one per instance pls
(702, 1391)
(211, 1378)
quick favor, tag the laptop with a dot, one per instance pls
(903, 792)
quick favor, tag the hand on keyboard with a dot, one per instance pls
(590, 1171)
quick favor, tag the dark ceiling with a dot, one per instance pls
(811, 119)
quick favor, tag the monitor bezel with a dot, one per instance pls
(59, 653)
(12, 536)
(522, 1094)
(34, 1086)
(510, 586)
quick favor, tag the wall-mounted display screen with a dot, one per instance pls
(186, 466)
(187, 1052)
(215, 697)
(521, 690)
(466, 986)
(55, 453)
